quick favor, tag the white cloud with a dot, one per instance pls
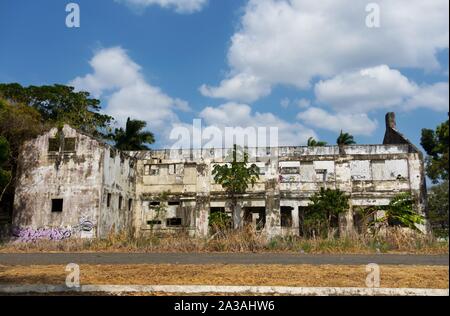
(119, 80)
(357, 124)
(293, 41)
(241, 115)
(377, 88)
(435, 97)
(242, 87)
(180, 6)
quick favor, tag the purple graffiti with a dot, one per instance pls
(31, 235)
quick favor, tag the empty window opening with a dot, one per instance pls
(174, 203)
(255, 216)
(130, 204)
(57, 205)
(120, 202)
(154, 170)
(286, 216)
(53, 144)
(174, 222)
(108, 200)
(154, 222)
(290, 170)
(155, 203)
(218, 216)
(69, 144)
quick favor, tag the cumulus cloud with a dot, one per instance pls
(242, 87)
(238, 115)
(357, 124)
(180, 6)
(293, 41)
(379, 87)
(118, 79)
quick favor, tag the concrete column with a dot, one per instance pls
(295, 220)
(273, 215)
(202, 208)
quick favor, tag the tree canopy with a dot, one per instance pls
(315, 143)
(133, 138)
(345, 139)
(436, 143)
(59, 104)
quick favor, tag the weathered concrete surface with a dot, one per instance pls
(210, 289)
(201, 258)
(122, 191)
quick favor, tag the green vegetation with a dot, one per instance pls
(59, 104)
(236, 176)
(436, 145)
(438, 209)
(133, 138)
(400, 212)
(345, 139)
(321, 217)
(314, 143)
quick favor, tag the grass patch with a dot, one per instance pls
(244, 240)
(221, 274)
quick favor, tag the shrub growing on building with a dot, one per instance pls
(322, 214)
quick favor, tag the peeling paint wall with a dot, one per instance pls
(121, 191)
(75, 176)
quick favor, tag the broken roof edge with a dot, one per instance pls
(393, 136)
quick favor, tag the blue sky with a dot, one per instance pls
(309, 69)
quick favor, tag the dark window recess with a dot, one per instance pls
(69, 144)
(174, 222)
(120, 202)
(155, 203)
(286, 217)
(130, 204)
(108, 200)
(57, 205)
(290, 170)
(154, 223)
(174, 203)
(53, 144)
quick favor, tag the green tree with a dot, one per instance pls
(400, 212)
(438, 209)
(322, 214)
(60, 104)
(314, 143)
(436, 145)
(133, 138)
(345, 139)
(236, 176)
(18, 123)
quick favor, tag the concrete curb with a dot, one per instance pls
(202, 289)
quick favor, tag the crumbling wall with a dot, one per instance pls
(48, 171)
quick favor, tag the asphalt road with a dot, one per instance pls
(217, 258)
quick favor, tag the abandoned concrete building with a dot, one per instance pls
(74, 182)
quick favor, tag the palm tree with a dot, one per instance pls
(133, 138)
(345, 139)
(314, 143)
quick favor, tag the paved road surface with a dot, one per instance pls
(194, 258)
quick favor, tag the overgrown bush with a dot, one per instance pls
(321, 217)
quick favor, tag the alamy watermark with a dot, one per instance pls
(73, 18)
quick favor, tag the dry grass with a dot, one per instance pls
(245, 240)
(220, 274)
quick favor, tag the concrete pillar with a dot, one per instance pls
(296, 220)
(202, 208)
(273, 215)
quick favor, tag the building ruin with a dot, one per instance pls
(71, 184)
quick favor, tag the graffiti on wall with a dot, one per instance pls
(85, 229)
